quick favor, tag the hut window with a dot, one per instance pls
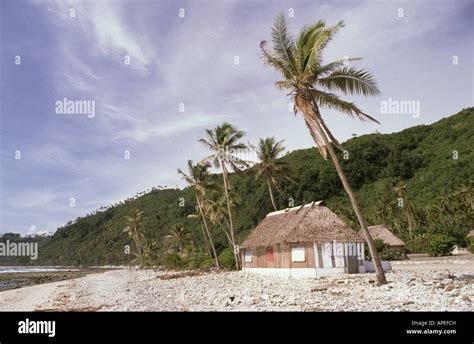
(298, 254)
(269, 254)
(248, 256)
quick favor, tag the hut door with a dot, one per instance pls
(269, 257)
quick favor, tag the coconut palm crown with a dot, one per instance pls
(312, 82)
(270, 168)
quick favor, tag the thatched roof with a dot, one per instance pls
(309, 223)
(470, 234)
(383, 233)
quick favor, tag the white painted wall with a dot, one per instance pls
(370, 267)
(296, 273)
(326, 254)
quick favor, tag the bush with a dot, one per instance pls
(207, 263)
(418, 244)
(385, 251)
(440, 245)
(198, 261)
(470, 245)
(226, 259)
(172, 261)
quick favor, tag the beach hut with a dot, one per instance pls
(383, 233)
(308, 240)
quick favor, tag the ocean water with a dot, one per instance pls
(20, 269)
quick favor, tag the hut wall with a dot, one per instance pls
(254, 262)
(309, 257)
(317, 255)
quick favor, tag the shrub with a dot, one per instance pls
(470, 245)
(198, 261)
(172, 261)
(418, 244)
(226, 259)
(389, 253)
(207, 263)
(385, 251)
(440, 245)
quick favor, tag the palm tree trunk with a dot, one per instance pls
(411, 221)
(224, 176)
(271, 195)
(355, 205)
(207, 230)
(139, 249)
(208, 248)
(137, 242)
(204, 235)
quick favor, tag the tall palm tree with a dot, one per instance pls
(223, 141)
(197, 177)
(311, 84)
(134, 230)
(270, 168)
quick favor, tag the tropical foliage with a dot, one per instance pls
(134, 230)
(271, 169)
(439, 187)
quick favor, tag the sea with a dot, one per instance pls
(21, 269)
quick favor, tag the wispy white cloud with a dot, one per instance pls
(191, 61)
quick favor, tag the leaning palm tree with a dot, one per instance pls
(270, 168)
(312, 83)
(134, 230)
(197, 178)
(223, 141)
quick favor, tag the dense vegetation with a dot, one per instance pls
(417, 182)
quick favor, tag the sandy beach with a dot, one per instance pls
(416, 285)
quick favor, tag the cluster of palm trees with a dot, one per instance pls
(214, 202)
(312, 85)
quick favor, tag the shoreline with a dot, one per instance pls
(11, 280)
(431, 286)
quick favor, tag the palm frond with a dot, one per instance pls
(207, 143)
(302, 49)
(317, 135)
(350, 81)
(316, 44)
(331, 101)
(275, 62)
(330, 67)
(284, 84)
(283, 43)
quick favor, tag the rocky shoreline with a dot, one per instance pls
(439, 288)
(147, 290)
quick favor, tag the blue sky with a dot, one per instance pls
(190, 60)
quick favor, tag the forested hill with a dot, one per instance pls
(429, 166)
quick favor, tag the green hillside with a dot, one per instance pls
(437, 192)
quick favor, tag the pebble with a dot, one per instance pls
(240, 291)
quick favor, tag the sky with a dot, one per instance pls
(143, 62)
